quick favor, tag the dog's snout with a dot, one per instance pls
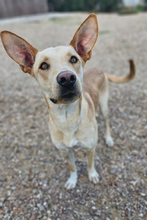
(66, 79)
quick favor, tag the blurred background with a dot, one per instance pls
(12, 8)
(32, 171)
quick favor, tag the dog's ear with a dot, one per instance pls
(85, 37)
(19, 50)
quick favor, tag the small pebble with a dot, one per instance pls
(93, 207)
(123, 194)
(75, 215)
(96, 218)
(70, 208)
(141, 214)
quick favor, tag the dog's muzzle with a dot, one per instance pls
(68, 89)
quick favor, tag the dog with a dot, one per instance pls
(72, 95)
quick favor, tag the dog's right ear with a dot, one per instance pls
(85, 37)
(19, 50)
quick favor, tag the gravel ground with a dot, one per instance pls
(32, 171)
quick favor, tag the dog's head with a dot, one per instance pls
(58, 70)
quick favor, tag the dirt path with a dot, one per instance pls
(32, 172)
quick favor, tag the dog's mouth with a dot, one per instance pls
(67, 97)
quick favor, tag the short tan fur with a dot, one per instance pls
(72, 94)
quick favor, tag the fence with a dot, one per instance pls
(11, 8)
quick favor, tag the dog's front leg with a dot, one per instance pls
(71, 182)
(92, 173)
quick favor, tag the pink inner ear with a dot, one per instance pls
(26, 57)
(84, 41)
(82, 46)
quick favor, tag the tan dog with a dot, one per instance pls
(71, 95)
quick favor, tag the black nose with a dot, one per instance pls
(66, 79)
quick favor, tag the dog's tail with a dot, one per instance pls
(123, 79)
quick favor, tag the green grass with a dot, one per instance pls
(128, 11)
(59, 20)
(79, 23)
(104, 32)
(128, 47)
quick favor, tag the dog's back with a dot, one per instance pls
(94, 79)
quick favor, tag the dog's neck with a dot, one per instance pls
(65, 112)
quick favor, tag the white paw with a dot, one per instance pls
(109, 141)
(72, 181)
(94, 177)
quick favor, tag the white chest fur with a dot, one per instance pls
(70, 126)
(63, 122)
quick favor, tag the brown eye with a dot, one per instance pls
(73, 59)
(44, 66)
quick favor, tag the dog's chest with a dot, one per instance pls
(70, 127)
(69, 133)
(64, 124)
(64, 131)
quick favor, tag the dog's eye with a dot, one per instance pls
(44, 66)
(73, 59)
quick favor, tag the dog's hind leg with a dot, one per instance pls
(92, 173)
(103, 101)
(71, 182)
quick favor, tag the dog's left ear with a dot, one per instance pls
(85, 37)
(19, 50)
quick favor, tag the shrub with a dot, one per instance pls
(127, 11)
